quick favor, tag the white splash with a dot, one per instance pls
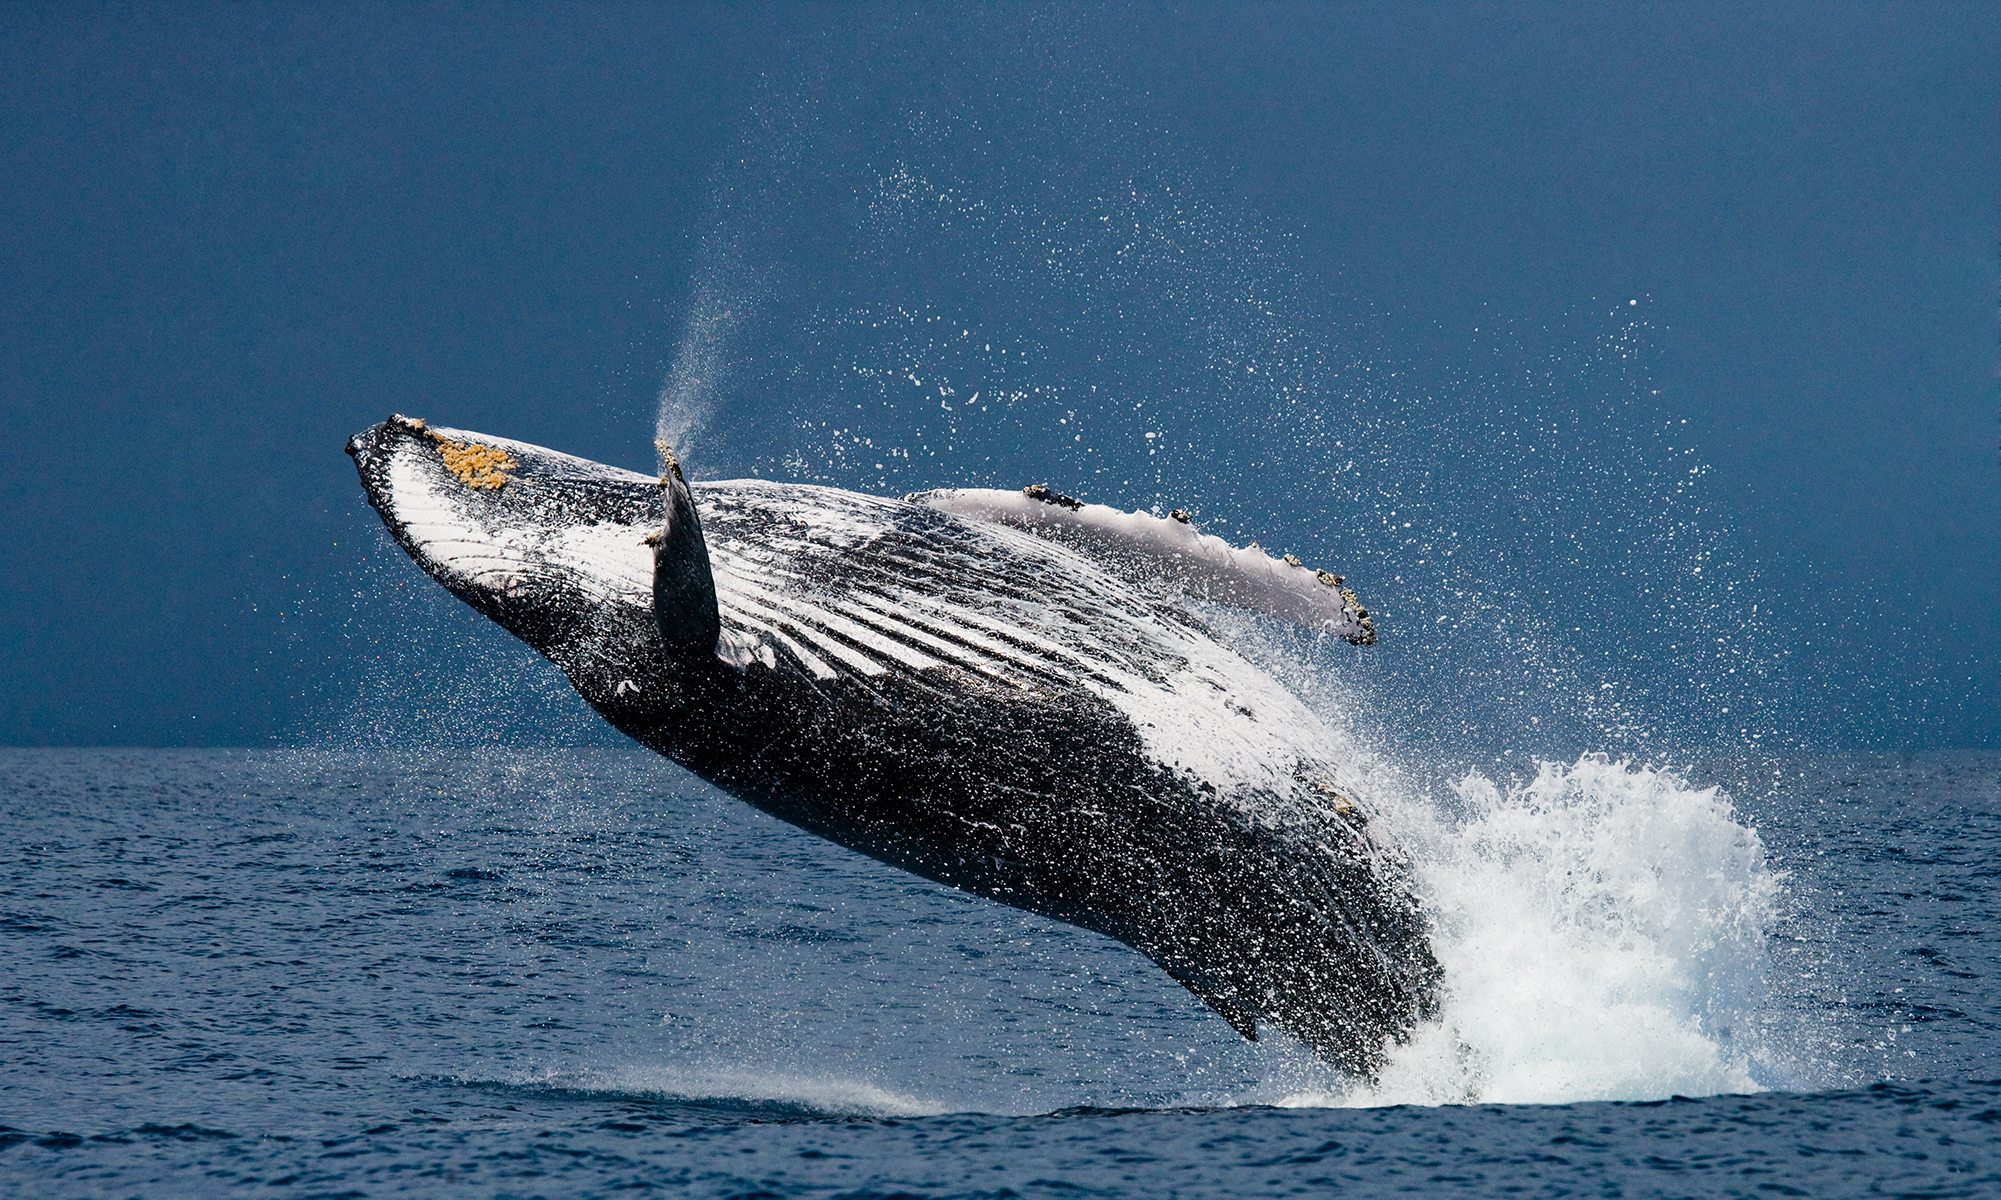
(1602, 929)
(821, 1094)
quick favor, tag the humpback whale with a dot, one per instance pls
(1015, 694)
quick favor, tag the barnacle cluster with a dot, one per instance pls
(1368, 635)
(477, 466)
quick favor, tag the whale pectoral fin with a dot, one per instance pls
(1239, 1020)
(684, 588)
(1150, 550)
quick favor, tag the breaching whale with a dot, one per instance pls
(1009, 693)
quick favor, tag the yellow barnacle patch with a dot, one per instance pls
(1342, 805)
(476, 466)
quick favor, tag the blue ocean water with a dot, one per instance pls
(524, 972)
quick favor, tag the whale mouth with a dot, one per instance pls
(541, 542)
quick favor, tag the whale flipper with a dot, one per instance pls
(1170, 551)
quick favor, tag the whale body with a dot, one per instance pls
(1008, 693)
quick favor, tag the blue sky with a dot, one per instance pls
(1545, 259)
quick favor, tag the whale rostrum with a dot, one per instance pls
(1012, 693)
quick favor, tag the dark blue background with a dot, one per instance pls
(231, 237)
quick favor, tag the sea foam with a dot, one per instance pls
(1602, 927)
(800, 1093)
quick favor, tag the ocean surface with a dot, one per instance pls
(528, 972)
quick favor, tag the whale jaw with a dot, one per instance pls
(549, 546)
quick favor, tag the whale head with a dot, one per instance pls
(558, 550)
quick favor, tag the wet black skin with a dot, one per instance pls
(1045, 798)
